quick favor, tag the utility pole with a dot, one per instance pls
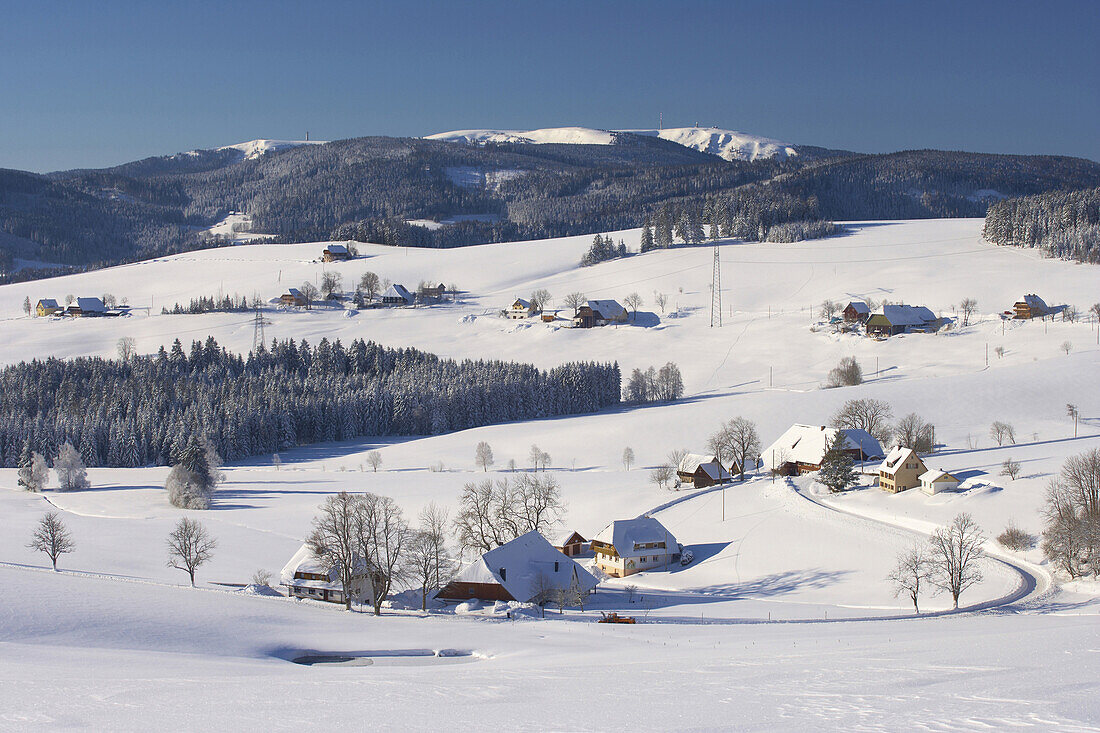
(716, 291)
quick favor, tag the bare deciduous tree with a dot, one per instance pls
(190, 546)
(126, 348)
(913, 432)
(331, 283)
(575, 301)
(912, 569)
(661, 475)
(276, 461)
(661, 300)
(309, 293)
(1067, 346)
(828, 309)
(955, 552)
(742, 440)
(846, 373)
(633, 302)
(540, 299)
(495, 512)
(383, 536)
(335, 539)
(966, 309)
(430, 566)
(52, 537)
(483, 455)
(1010, 468)
(1002, 431)
(866, 414)
(369, 284)
(374, 458)
(628, 457)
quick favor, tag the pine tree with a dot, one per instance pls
(837, 467)
(647, 237)
(26, 467)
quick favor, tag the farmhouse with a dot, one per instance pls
(520, 309)
(802, 448)
(901, 470)
(335, 252)
(896, 319)
(46, 307)
(84, 307)
(628, 546)
(856, 312)
(570, 543)
(433, 292)
(1032, 306)
(934, 481)
(700, 471)
(293, 297)
(599, 313)
(525, 569)
(309, 576)
(397, 295)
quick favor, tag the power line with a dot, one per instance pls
(716, 291)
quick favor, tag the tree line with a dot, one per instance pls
(1063, 224)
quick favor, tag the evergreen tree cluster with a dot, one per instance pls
(210, 304)
(148, 409)
(603, 249)
(1064, 224)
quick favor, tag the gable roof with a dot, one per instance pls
(294, 292)
(336, 249)
(933, 475)
(94, 305)
(908, 315)
(569, 538)
(896, 458)
(304, 561)
(692, 462)
(607, 309)
(528, 562)
(626, 534)
(48, 303)
(858, 306)
(398, 291)
(1035, 302)
(808, 443)
(524, 304)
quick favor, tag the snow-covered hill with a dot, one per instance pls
(255, 148)
(726, 144)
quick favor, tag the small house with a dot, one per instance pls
(46, 307)
(570, 543)
(628, 546)
(934, 481)
(397, 295)
(527, 570)
(293, 298)
(549, 316)
(901, 470)
(802, 448)
(87, 307)
(701, 471)
(434, 292)
(310, 576)
(334, 252)
(520, 309)
(599, 313)
(896, 319)
(856, 312)
(1032, 306)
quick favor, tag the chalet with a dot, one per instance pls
(86, 307)
(896, 319)
(628, 546)
(293, 297)
(397, 295)
(524, 570)
(934, 481)
(434, 292)
(700, 471)
(309, 576)
(570, 543)
(802, 448)
(1032, 306)
(901, 470)
(47, 307)
(599, 313)
(335, 252)
(519, 309)
(856, 312)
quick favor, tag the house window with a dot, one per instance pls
(503, 574)
(555, 566)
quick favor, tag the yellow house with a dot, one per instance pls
(628, 546)
(901, 470)
(46, 307)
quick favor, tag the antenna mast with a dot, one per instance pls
(716, 291)
(660, 120)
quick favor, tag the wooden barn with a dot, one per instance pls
(802, 448)
(896, 319)
(85, 307)
(526, 569)
(397, 295)
(599, 313)
(700, 471)
(309, 576)
(856, 312)
(1032, 306)
(571, 544)
(293, 298)
(335, 252)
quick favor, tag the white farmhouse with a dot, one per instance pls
(934, 481)
(628, 546)
(309, 576)
(520, 309)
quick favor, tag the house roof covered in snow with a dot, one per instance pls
(48, 303)
(628, 535)
(692, 462)
(521, 304)
(934, 475)
(895, 459)
(608, 310)
(808, 443)
(525, 566)
(1035, 302)
(336, 249)
(93, 305)
(569, 537)
(305, 561)
(294, 292)
(397, 291)
(908, 315)
(858, 306)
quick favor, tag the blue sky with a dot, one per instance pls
(99, 83)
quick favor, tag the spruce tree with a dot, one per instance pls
(837, 467)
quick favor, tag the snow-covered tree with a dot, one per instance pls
(27, 305)
(194, 476)
(189, 547)
(483, 455)
(52, 537)
(837, 468)
(71, 474)
(628, 457)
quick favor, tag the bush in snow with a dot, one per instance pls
(195, 476)
(846, 373)
(1016, 539)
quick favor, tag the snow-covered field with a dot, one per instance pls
(116, 642)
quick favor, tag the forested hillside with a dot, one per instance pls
(1062, 224)
(372, 188)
